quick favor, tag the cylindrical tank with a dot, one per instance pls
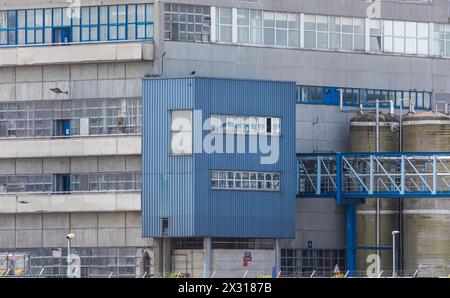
(427, 221)
(363, 139)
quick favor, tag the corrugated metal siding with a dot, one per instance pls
(222, 213)
(179, 187)
(167, 182)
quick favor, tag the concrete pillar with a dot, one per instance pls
(277, 256)
(167, 256)
(158, 256)
(207, 264)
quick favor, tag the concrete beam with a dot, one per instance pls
(75, 146)
(77, 53)
(75, 202)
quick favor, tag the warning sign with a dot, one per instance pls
(336, 270)
(247, 258)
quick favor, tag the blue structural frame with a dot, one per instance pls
(329, 95)
(38, 26)
(352, 177)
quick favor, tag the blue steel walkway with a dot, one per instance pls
(352, 177)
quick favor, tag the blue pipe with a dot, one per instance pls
(350, 239)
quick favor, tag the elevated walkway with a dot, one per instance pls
(350, 178)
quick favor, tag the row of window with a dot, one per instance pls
(94, 262)
(77, 24)
(305, 262)
(337, 33)
(70, 117)
(249, 125)
(48, 118)
(260, 27)
(239, 180)
(357, 96)
(70, 182)
(223, 243)
(181, 128)
(399, 37)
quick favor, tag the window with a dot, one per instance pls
(86, 27)
(356, 96)
(117, 22)
(311, 94)
(281, 32)
(181, 132)
(304, 262)
(187, 22)
(249, 125)
(83, 116)
(399, 36)
(375, 36)
(243, 22)
(125, 181)
(270, 28)
(4, 28)
(422, 38)
(35, 26)
(336, 33)
(310, 31)
(294, 30)
(241, 180)
(442, 40)
(61, 128)
(61, 183)
(255, 26)
(406, 37)
(165, 227)
(84, 24)
(359, 31)
(388, 37)
(316, 32)
(411, 38)
(224, 24)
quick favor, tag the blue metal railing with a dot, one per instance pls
(348, 176)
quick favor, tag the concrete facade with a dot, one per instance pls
(92, 229)
(89, 71)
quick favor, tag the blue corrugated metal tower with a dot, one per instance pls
(178, 187)
(237, 180)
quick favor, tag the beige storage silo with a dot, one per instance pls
(363, 139)
(427, 221)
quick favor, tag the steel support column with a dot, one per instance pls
(277, 256)
(350, 239)
(207, 267)
(339, 178)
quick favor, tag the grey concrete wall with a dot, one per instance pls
(309, 67)
(103, 229)
(322, 128)
(188, 261)
(105, 80)
(319, 221)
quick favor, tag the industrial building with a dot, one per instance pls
(88, 90)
